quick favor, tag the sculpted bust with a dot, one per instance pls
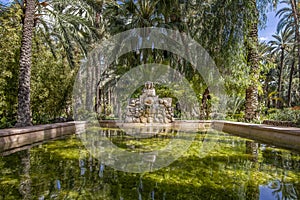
(149, 89)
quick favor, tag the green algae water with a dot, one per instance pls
(216, 166)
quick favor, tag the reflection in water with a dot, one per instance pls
(278, 190)
(101, 170)
(146, 149)
(25, 183)
(64, 169)
(252, 149)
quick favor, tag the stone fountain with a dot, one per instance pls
(149, 108)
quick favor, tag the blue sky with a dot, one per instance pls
(264, 35)
(5, 1)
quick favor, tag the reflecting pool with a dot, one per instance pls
(215, 166)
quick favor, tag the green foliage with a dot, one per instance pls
(10, 40)
(51, 85)
(285, 115)
(52, 78)
(235, 106)
(65, 30)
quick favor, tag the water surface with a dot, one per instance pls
(216, 166)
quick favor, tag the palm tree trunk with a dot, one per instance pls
(266, 91)
(290, 84)
(251, 111)
(279, 103)
(297, 32)
(24, 113)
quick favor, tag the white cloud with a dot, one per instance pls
(263, 38)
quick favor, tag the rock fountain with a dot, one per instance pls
(149, 108)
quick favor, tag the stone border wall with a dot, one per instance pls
(18, 137)
(287, 137)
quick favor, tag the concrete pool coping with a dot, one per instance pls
(287, 137)
(13, 138)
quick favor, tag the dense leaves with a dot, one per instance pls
(65, 31)
(10, 40)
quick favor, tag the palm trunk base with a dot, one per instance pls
(251, 104)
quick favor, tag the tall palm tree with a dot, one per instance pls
(296, 14)
(24, 114)
(257, 11)
(66, 21)
(253, 62)
(289, 19)
(267, 65)
(292, 60)
(280, 44)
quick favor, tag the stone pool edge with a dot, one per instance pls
(286, 137)
(17, 137)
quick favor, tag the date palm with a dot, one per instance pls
(280, 44)
(253, 62)
(289, 19)
(67, 22)
(24, 114)
(257, 12)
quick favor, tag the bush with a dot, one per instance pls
(285, 115)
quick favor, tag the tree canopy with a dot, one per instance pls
(258, 76)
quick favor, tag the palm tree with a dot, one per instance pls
(253, 62)
(280, 44)
(66, 21)
(290, 20)
(24, 114)
(296, 14)
(73, 26)
(292, 63)
(267, 65)
(257, 10)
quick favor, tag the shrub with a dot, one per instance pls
(285, 115)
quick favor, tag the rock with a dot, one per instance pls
(167, 120)
(168, 116)
(150, 120)
(128, 119)
(148, 108)
(132, 101)
(136, 120)
(132, 110)
(143, 119)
